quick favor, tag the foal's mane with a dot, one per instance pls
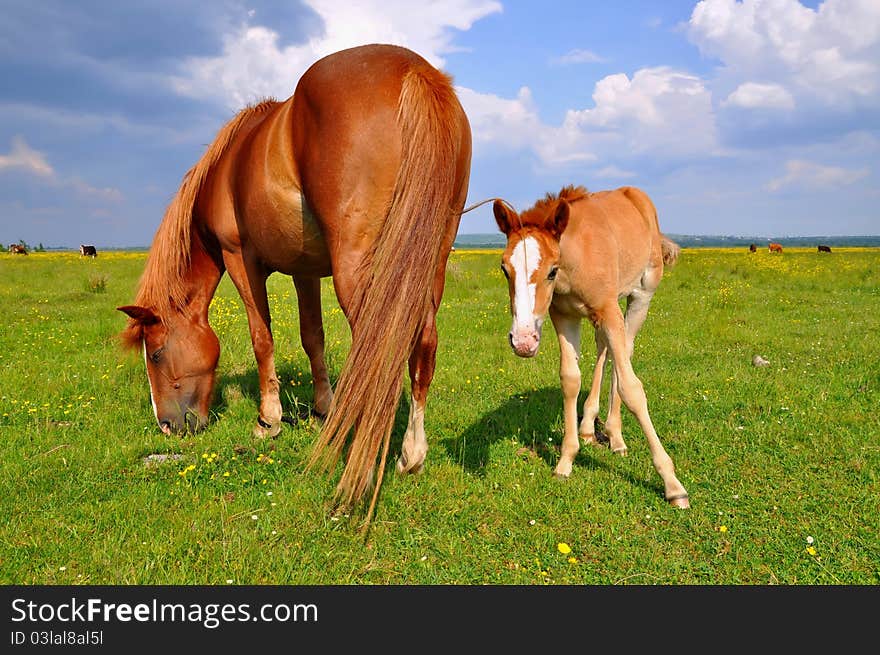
(162, 285)
(545, 208)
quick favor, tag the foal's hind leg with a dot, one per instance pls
(637, 304)
(422, 361)
(249, 278)
(632, 393)
(311, 332)
(587, 429)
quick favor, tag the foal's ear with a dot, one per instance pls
(502, 215)
(143, 315)
(560, 219)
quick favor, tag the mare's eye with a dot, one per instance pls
(155, 355)
(552, 274)
(504, 270)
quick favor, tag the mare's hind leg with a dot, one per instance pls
(632, 393)
(311, 333)
(568, 330)
(421, 372)
(587, 429)
(249, 278)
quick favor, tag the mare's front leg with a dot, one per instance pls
(249, 277)
(568, 330)
(311, 333)
(422, 362)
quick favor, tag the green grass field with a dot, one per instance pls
(781, 462)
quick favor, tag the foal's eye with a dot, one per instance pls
(552, 274)
(155, 355)
(504, 270)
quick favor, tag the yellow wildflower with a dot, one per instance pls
(563, 547)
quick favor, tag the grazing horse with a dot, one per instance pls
(753, 248)
(575, 255)
(18, 249)
(774, 247)
(360, 175)
(87, 251)
(824, 248)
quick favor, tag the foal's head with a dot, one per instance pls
(530, 263)
(181, 354)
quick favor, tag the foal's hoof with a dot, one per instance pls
(560, 476)
(623, 452)
(680, 501)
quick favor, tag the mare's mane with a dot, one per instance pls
(544, 210)
(162, 285)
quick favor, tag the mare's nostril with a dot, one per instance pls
(510, 339)
(165, 426)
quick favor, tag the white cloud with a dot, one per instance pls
(660, 109)
(613, 172)
(829, 54)
(254, 66)
(753, 95)
(811, 175)
(23, 157)
(578, 56)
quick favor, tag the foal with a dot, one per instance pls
(575, 255)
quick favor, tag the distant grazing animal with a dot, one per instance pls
(775, 247)
(88, 251)
(824, 248)
(753, 248)
(360, 175)
(18, 249)
(575, 255)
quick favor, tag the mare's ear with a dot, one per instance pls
(560, 219)
(143, 315)
(502, 216)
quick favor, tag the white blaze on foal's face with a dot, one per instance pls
(531, 274)
(525, 259)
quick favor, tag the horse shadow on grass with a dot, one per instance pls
(297, 401)
(532, 418)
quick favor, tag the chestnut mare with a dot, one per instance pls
(362, 175)
(774, 247)
(575, 255)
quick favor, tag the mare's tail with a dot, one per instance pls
(389, 308)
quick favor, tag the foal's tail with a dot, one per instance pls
(671, 250)
(389, 307)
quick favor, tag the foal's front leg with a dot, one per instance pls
(568, 330)
(249, 278)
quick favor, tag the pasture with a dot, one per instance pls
(781, 461)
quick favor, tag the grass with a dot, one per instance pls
(781, 462)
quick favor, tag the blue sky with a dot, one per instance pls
(752, 117)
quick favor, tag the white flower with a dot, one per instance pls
(810, 540)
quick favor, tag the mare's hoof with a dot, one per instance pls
(414, 470)
(264, 429)
(681, 501)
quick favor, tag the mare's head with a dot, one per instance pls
(181, 354)
(530, 263)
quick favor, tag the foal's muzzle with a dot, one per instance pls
(525, 344)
